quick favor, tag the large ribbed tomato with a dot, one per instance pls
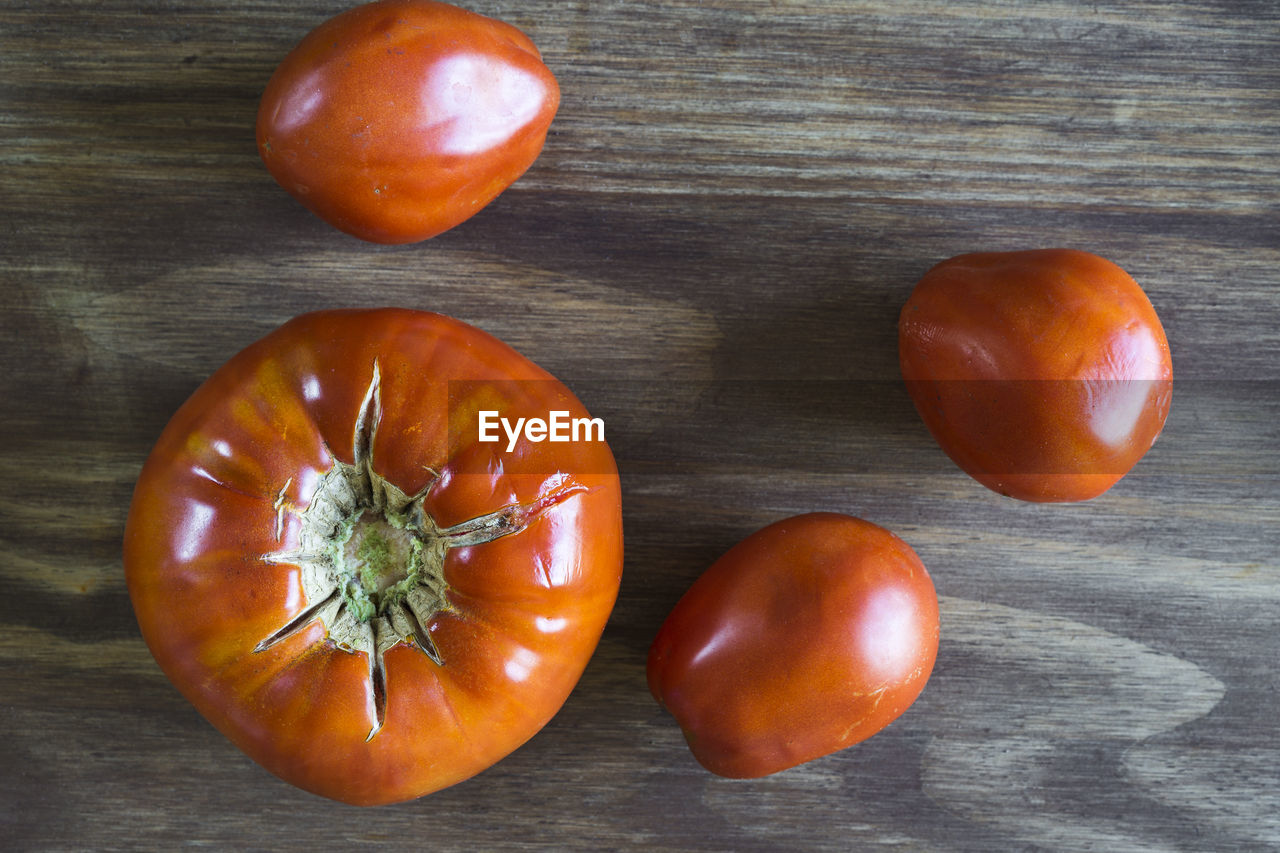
(361, 594)
(1044, 374)
(808, 636)
(397, 120)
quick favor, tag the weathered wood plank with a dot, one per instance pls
(732, 205)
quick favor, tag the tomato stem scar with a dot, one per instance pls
(372, 558)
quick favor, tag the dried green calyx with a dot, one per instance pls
(372, 558)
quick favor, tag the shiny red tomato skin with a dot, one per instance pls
(397, 120)
(1045, 374)
(239, 463)
(808, 636)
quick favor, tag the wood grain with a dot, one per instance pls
(733, 203)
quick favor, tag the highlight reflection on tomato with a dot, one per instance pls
(808, 636)
(1043, 374)
(331, 567)
(397, 120)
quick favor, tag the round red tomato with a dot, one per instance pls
(1044, 374)
(807, 637)
(398, 120)
(345, 580)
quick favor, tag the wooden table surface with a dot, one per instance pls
(733, 203)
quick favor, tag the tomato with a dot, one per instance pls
(397, 120)
(1044, 374)
(332, 567)
(807, 637)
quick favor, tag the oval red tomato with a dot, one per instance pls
(398, 120)
(807, 637)
(333, 568)
(1044, 374)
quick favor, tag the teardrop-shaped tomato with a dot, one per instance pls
(1044, 374)
(398, 120)
(808, 636)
